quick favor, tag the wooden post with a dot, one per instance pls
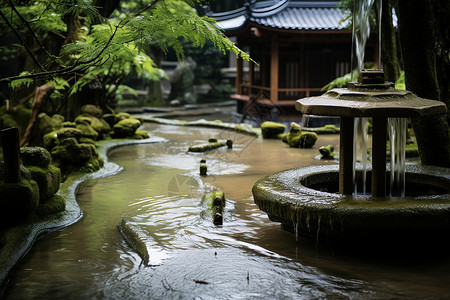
(379, 157)
(346, 156)
(274, 61)
(238, 83)
(11, 154)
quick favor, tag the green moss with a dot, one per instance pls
(99, 125)
(327, 152)
(52, 205)
(206, 147)
(48, 180)
(17, 200)
(91, 110)
(271, 130)
(126, 128)
(35, 156)
(327, 129)
(87, 130)
(140, 135)
(50, 140)
(215, 203)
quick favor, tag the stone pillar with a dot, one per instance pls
(11, 154)
(346, 156)
(379, 137)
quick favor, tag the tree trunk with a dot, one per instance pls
(389, 54)
(39, 99)
(416, 24)
(442, 33)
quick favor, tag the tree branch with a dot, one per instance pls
(22, 41)
(27, 24)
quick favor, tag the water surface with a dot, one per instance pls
(249, 257)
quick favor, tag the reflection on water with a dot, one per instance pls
(159, 191)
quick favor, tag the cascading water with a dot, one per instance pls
(361, 31)
(397, 135)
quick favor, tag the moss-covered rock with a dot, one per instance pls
(48, 180)
(87, 130)
(15, 117)
(215, 203)
(68, 132)
(307, 139)
(91, 110)
(126, 128)
(327, 129)
(17, 200)
(98, 124)
(70, 151)
(52, 205)
(121, 116)
(140, 135)
(206, 147)
(271, 130)
(327, 152)
(35, 156)
(48, 124)
(50, 140)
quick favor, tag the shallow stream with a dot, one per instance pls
(250, 257)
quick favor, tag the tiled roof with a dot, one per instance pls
(285, 14)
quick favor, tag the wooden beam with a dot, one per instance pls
(11, 154)
(274, 64)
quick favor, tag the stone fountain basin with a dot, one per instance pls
(305, 201)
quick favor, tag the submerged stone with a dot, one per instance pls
(327, 152)
(215, 203)
(206, 147)
(272, 130)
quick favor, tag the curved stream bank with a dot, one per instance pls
(159, 190)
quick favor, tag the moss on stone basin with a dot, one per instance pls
(287, 197)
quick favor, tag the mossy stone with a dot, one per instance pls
(140, 135)
(68, 132)
(48, 124)
(52, 205)
(307, 139)
(126, 128)
(48, 180)
(69, 150)
(206, 147)
(327, 152)
(17, 200)
(35, 156)
(121, 116)
(98, 124)
(271, 130)
(295, 128)
(92, 110)
(87, 130)
(215, 203)
(50, 140)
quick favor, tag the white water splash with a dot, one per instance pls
(397, 135)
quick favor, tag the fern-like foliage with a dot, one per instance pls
(114, 47)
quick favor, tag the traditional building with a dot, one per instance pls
(298, 47)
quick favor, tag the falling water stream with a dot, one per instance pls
(397, 137)
(249, 257)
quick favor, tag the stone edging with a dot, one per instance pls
(20, 239)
